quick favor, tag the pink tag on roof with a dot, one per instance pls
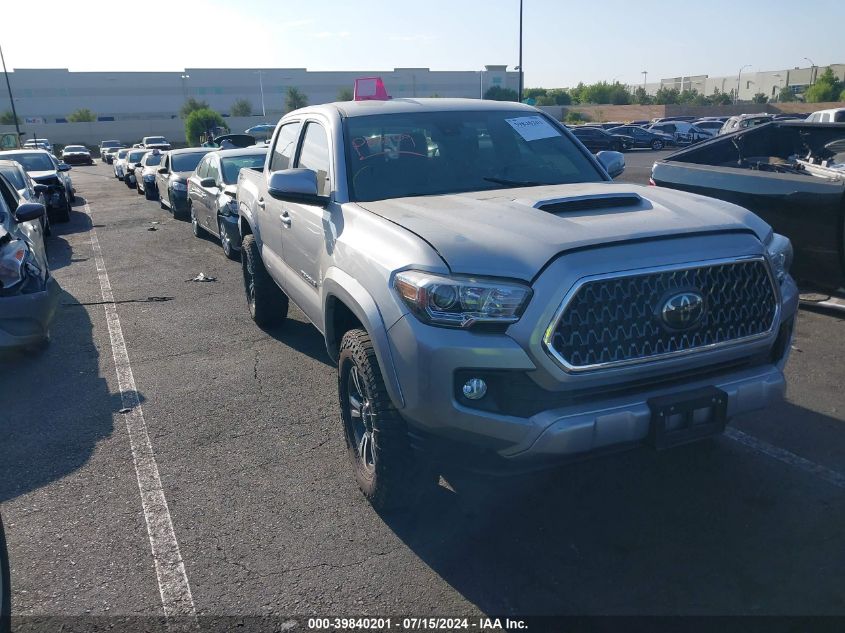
(370, 89)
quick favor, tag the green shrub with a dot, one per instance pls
(83, 115)
(242, 107)
(199, 122)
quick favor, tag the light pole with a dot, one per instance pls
(183, 77)
(481, 84)
(812, 71)
(739, 74)
(11, 99)
(645, 77)
(260, 74)
(519, 96)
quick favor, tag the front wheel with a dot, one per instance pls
(268, 305)
(657, 145)
(195, 225)
(387, 471)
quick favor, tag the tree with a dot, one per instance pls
(641, 97)
(7, 118)
(345, 94)
(534, 93)
(497, 93)
(191, 105)
(786, 95)
(576, 117)
(842, 95)
(560, 96)
(826, 88)
(720, 98)
(295, 99)
(83, 115)
(242, 107)
(759, 98)
(667, 96)
(201, 121)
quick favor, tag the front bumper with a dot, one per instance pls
(229, 224)
(78, 160)
(25, 319)
(178, 201)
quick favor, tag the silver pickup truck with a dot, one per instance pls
(493, 300)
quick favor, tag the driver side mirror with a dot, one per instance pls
(64, 167)
(208, 183)
(29, 211)
(162, 170)
(296, 185)
(613, 163)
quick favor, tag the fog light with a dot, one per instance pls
(475, 389)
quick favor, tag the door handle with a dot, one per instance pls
(260, 203)
(286, 219)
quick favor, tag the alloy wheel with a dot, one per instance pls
(361, 416)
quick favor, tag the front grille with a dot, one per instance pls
(50, 181)
(614, 321)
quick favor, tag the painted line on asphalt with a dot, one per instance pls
(782, 455)
(176, 597)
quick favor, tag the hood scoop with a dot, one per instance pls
(599, 202)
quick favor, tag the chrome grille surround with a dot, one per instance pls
(743, 305)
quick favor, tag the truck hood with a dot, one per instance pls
(503, 232)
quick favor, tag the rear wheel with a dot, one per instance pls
(268, 305)
(385, 467)
(657, 144)
(196, 229)
(139, 190)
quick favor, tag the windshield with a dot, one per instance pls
(105, 144)
(155, 139)
(186, 162)
(34, 162)
(152, 160)
(430, 153)
(76, 148)
(232, 166)
(134, 157)
(122, 153)
(14, 176)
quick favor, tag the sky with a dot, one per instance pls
(564, 41)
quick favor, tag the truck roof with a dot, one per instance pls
(400, 106)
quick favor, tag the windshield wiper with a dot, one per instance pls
(514, 183)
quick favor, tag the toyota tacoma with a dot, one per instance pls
(492, 298)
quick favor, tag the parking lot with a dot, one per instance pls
(244, 434)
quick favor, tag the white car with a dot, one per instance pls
(39, 143)
(834, 115)
(119, 163)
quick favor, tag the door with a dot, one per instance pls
(161, 179)
(303, 232)
(268, 210)
(209, 196)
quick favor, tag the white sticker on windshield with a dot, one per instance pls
(533, 128)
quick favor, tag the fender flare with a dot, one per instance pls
(245, 217)
(339, 286)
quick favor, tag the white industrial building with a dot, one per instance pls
(50, 95)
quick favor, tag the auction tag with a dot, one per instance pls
(533, 128)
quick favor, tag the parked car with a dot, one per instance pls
(28, 293)
(231, 141)
(683, 132)
(665, 119)
(27, 189)
(743, 121)
(792, 174)
(641, 137)
(45, 169)
(104, 145)
(212, 195)
(119, 163)
(145, 174)
(711, 126)
(262, 131)
(39, 143)
(77, 155)
(596, 139)
(155, 142)
(133, 161)
(833, 115)
(109, 154)
(172, 178)
(479, 317)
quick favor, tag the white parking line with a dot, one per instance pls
(173, 584)
(782, 455)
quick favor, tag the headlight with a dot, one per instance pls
(12, 257)
(461, 302)
(779, 250)
(178, 186)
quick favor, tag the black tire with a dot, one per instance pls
(128, 182)
(229, 249)
(268, 305)
(5, 584)
(196, 229)
(386, 469)
(657, 145)
(71, 196)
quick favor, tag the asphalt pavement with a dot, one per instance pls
(244, 432)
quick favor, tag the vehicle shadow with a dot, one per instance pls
(301, 336)
(55, 406)
(709, 528)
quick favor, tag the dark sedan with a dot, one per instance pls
(172, 178)
(28, 189)
(596, 140)
(791, 174)
(45, 169)
(212, 191)
(77, 155)
(644, 138)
